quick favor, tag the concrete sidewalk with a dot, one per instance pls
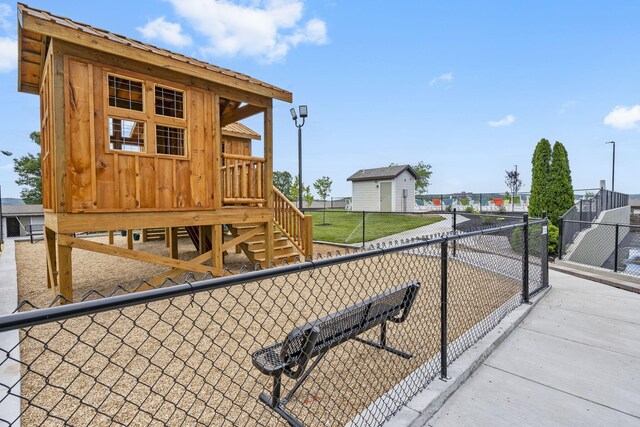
(574, 361)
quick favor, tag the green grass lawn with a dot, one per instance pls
(346, 227)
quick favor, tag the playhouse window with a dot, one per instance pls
(169, 140)
(126, 135)
(169, 102)
(125, 93)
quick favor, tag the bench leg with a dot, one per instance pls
(382, 345)
(274, 402)
(304, 376)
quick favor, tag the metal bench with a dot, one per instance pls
(316, 338)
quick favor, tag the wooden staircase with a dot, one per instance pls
(254, 246)
(292, 235)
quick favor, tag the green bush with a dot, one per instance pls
(502, 209)
(469, 209)
(535, 243)
(448, 208)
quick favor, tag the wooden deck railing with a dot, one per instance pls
(295, 225)
(242, 180)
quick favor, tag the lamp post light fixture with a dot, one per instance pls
(303, 115)
(613, 167)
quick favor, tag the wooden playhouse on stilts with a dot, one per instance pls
(137, 137)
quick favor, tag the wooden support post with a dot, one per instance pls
(268, 243)
(50, 241)
(238, 249)
(145, 235)
(129, 239)
(217, 154)
(173, 242)
(308, 236)
(268, 182)
(65, 277)
(167, 232)
(111, 237)
(204, 231)
(216, 246)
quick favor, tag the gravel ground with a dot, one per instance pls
(187, 361)
(103, 273)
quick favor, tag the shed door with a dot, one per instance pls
(385, 196)
(13, 227)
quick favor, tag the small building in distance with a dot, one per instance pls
(19, 220)
(388, 189)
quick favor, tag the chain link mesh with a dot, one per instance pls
(187, 360)
(614, 247)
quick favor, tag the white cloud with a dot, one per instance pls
(569, 105)
(5, 14)
(505, 121)
(8, 54)
(167, 32)
(8, 45)
(622, 117)
(447, 77)
(264, 29)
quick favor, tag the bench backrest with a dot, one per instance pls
(393, 305)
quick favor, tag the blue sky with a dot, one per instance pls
(468, 87)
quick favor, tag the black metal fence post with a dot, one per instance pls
(615, 249)
(525, 259)
(480, 202)
(544, 257)
(443, 310)
(363, 229)
(560, 229)
(454, 229)
(581, 219)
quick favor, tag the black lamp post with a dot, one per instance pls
(8, 154)
(613, 168)
(303, 116)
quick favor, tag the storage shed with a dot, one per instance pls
(20, 220)
(389, 189)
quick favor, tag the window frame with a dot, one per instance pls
(148, 116)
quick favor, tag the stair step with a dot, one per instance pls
(259, 244)
(261, 236)
(282, 250)
(279, 258)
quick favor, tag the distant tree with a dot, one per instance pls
(424, 175)
(307, 196)
(561, 196)
(323, 188)
(283, 182)
(514, 183)
(539, 199)
(29, 170)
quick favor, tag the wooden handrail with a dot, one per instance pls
(242, 157)
(295, 225)
(242, 180)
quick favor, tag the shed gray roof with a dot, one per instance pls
(22, 210)
(389, 172)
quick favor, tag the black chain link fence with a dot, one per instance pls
(363, 229)
(614, 247)
(191, 354)
(581, 215)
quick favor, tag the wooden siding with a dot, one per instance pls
(101, 179)
(47, 136)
